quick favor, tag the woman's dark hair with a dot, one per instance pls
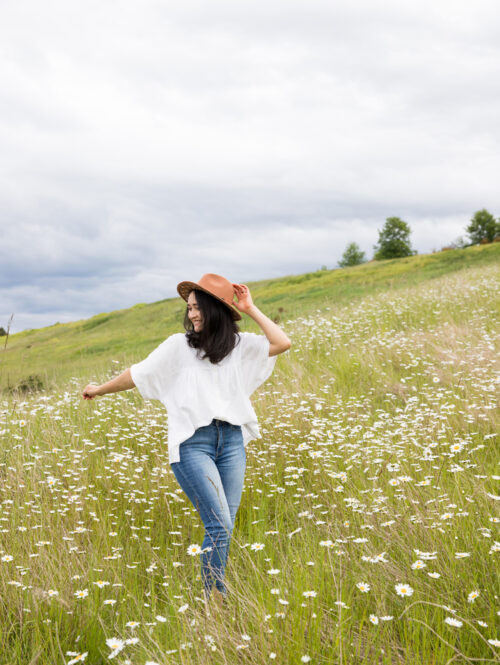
(217, 338)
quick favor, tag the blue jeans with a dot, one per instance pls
(211, 472)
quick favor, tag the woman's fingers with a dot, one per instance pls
(89, 392)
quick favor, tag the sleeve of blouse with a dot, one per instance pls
(152, 376)
(256, 365)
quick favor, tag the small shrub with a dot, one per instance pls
(352, 256)
(31, 384)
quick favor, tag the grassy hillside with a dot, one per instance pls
(368, 527)
(49, 356)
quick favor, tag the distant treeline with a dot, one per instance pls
(394, 239)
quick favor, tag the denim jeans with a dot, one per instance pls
(211, 472)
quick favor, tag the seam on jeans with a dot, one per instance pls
(218, 435)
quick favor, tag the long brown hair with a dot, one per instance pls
(219, 334)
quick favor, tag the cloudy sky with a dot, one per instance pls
(144, 143)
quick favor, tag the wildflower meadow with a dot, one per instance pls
(368, 528)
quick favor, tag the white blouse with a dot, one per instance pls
(194, 391)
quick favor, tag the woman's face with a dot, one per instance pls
(194, 313)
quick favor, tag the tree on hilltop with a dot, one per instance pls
(394, 240)
(482, 227)
(352, 256)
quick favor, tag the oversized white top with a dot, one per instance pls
(194, 391)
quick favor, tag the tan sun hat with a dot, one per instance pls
(217, 286)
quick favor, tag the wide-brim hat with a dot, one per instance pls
(217, 286)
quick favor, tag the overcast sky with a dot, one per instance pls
(145, 143)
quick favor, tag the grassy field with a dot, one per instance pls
(368, 528)
(49, 356)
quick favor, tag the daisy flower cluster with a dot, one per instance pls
(372, 491)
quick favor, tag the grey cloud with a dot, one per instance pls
(245, 255)
(140, 144)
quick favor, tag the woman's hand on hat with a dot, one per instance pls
(245, 302)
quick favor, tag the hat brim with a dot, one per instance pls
(185, 288)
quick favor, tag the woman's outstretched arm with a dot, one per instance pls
(121, 382)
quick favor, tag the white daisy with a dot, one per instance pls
(326, 543)
(403, 590)
(418, 564)
(132, 640)
(363, 586)
(82, 593)
(194, 549)
(115, 643)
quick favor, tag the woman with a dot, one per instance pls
(205, 377)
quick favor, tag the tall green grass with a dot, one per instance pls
(379, 450)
